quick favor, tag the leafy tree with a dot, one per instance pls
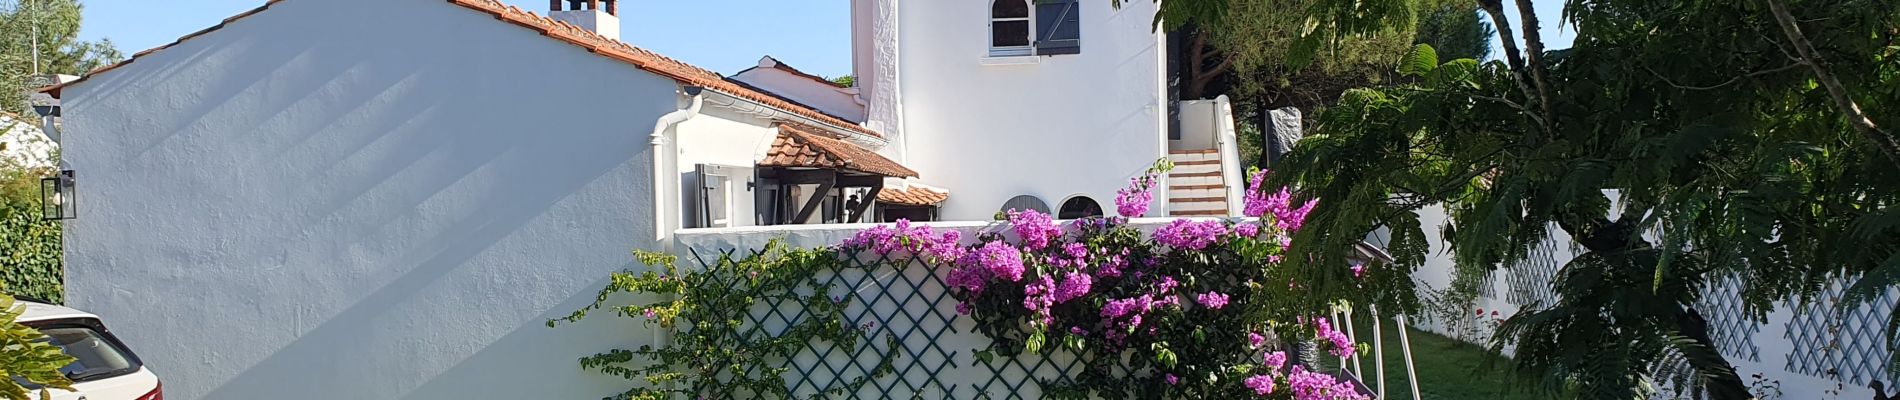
(845, 81)
(60, 50)
(1239, 48)
(1455, 29)
(1742, 136)
(27, 357)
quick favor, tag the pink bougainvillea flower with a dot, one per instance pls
(1212, 300)
(1036, 229)
(1275, 361)
(1261, 384)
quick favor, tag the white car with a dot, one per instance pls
(103, 368)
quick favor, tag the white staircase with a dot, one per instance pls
(1195, 186)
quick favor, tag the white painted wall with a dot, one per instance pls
(1067, 124)
(362, 199)
(826, 97)
(720, 136)
(874, 42)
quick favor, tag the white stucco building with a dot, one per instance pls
(276, 210)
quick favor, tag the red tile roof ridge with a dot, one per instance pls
(594, 42)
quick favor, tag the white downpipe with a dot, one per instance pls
(1405, 344)
(660, 127)
(1228, 144)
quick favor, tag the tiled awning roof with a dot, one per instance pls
(914, 196)
(798, 147)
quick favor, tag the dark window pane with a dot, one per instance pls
(1009, 9)
(1009, 33)
(94, 356)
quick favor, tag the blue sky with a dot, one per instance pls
(722, 35)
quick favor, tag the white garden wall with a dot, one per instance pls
(361, 199)
(934, 354)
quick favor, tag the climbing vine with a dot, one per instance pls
(717, 352)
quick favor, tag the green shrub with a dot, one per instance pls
(30, 264)
(30, 256)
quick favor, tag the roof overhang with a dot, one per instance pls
(799, 148)
(747, 106)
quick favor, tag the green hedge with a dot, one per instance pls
(30, 256)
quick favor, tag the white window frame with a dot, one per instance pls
(1012, 51)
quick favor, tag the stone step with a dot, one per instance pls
(1201, 192)
(1180, 181)
(1194, 157)
(1182, 168)
(1174, 206)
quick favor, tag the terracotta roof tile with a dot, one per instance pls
(915, 196)
(798, 147)
(593, 42)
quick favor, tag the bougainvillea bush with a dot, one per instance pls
(1190, 310)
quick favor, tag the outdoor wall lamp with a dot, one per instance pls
(57, 196)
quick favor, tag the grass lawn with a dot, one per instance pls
(1447, 368)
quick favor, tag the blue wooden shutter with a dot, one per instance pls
(1058, 27)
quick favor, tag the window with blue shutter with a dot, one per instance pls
(1058, 27)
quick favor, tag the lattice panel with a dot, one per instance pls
(1530, 279)
(909, 319)
(1851, 345)
(1489, 287)
(1734, 334)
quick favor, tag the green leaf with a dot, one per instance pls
(1420, 61)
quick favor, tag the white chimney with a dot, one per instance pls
(600, 16)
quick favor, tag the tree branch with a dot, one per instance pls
(1520, 108)
(1512, 57)
(1881, 138)
(1534, 55)
(1731, 81)
(1207, 76)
